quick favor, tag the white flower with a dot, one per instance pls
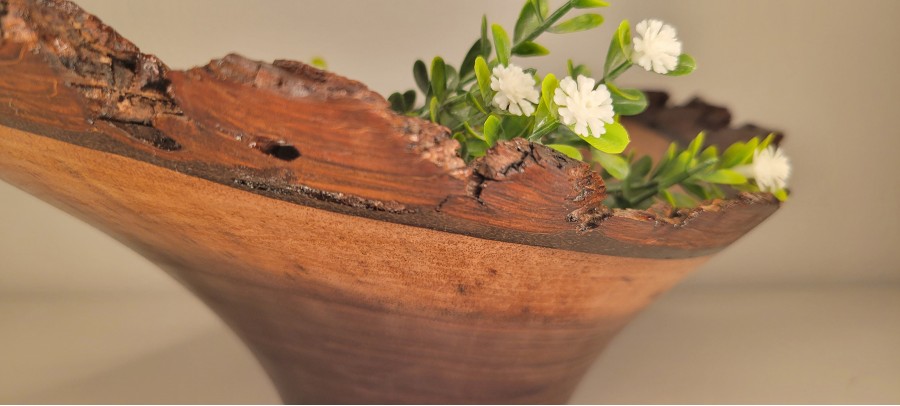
(583, 106)
(657, 49)
(770, 168)
(515, 90)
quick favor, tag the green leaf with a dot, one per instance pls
(613, 141)
(433, 109)
(590, 3)
(452, 79)
(529, 48)
(476, 148)
(468, 63)
(663, 165)
(528, 21)
(709, 153)
(733, 155)
(641, 168)
(483, 74)
(474, 101)
(501, 42)
(420, 72)
(548, 88)
(514, 126)
(397, 103)
(739, 153)
(627, 102)
(568, 150)
(575, 71)
(485, 41)
(677, 200)
(319, 62)
(403, 103)
(616, 165)
(491, 130)
(781, 195)
(695, 145)
(619, 50)
(686, 65)
(668, 197)
(766, 142)
(696, 190)
(438, 78)
(724, 177)
(579, 23)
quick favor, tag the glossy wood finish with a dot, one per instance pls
(357, 256)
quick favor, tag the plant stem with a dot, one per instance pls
(618, 70)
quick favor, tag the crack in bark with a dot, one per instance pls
(333, 197)
(118, 81)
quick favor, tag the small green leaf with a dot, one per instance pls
(641, 168)
(709, 153)
(695, 145)
(483, 74)
(680, 200)
(529, 48)
(668, 197)
(613, 141)
(724, 177)
(514, 126)
(438, 78)
(781, 195)
(686, 65)
(491, 130)
(452, 79)
(319, 62)
(397, 103)
(579, 23)
(474, 101)
(619, 50)
(485, 41)
(590, 3)
(616, 165)
(420, 72)
(696, 190)
(501, 42)
(766, 142)
(468, 63)
(433, 109)
(575, 71)
(476, 148)
(568, 150)
(548, 88)
(627, 102)
(472, 131)
(739, 153)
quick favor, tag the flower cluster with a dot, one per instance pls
(489, 99)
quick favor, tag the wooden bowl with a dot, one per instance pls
(351, 249)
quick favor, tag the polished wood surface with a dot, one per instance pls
(349, 247)
(346, 309)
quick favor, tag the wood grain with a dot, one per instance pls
(342, 309)
(353, 251)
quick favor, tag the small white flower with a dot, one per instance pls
(770, 168)
(583, 106)
(656, 49)
(515, 90)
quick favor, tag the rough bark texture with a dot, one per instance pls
(293, 132)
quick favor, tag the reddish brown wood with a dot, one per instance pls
(354, 252)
